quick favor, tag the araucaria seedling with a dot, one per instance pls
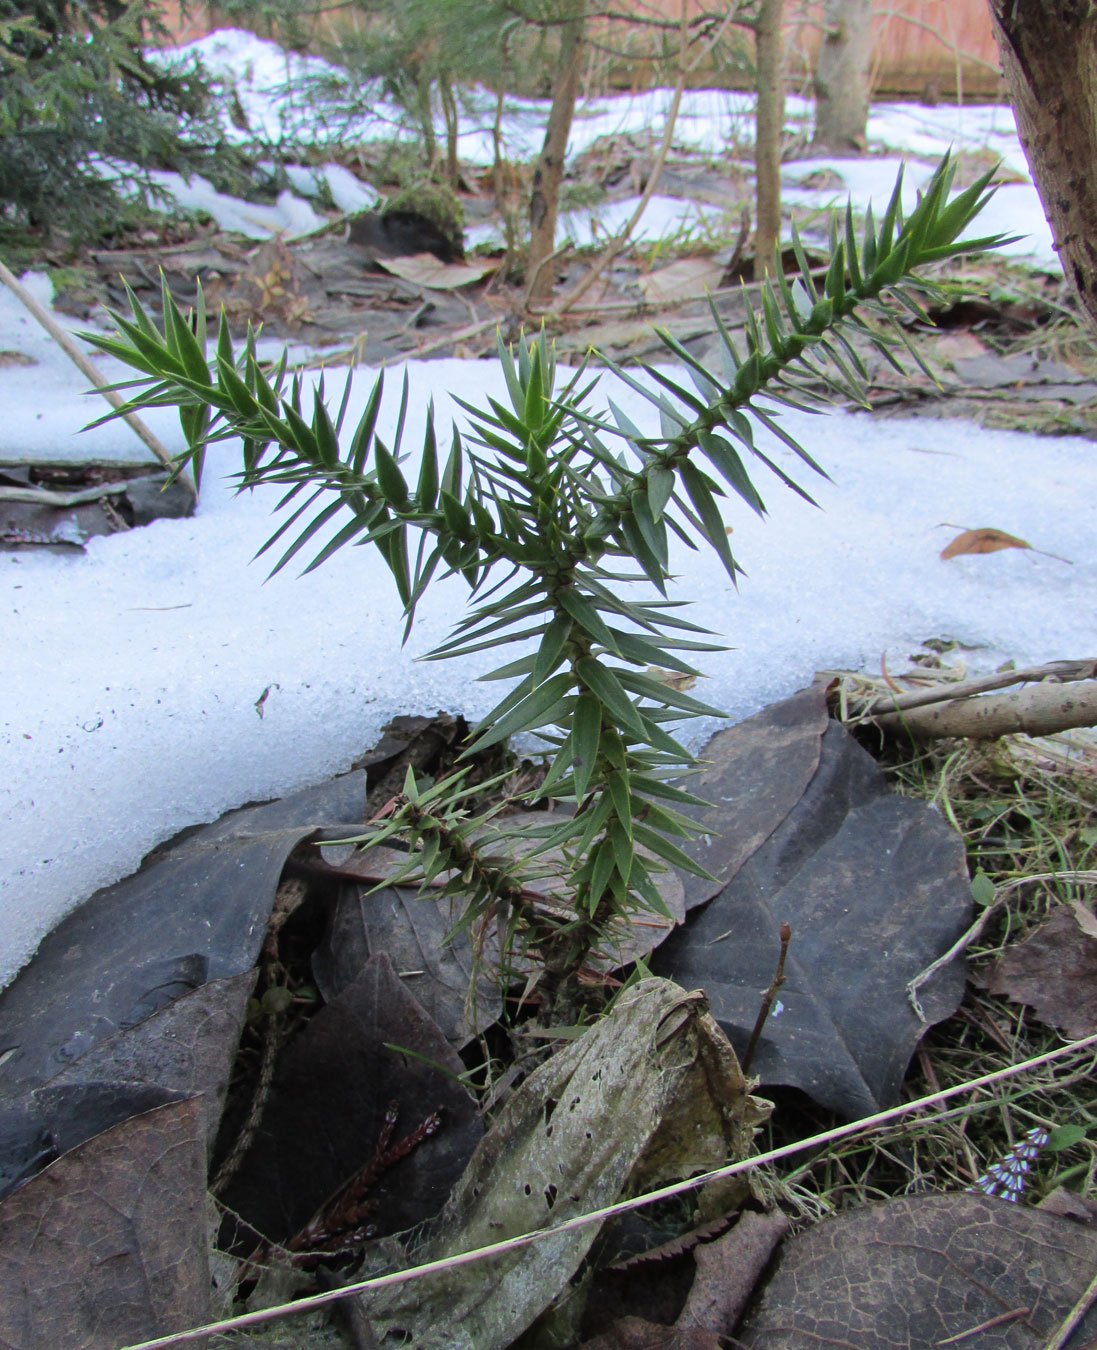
(550, 512)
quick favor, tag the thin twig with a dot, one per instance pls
(966, 939)
(1072, 1319)
(998, 1321)
(643, 305)
(352, 355)
(621, 238)
(79, 359)
(551, 257)
(273, 1033)
(617, 243)
(866, 1124)
(473, 330)
(767, 1000)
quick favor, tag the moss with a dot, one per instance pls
(435, 203)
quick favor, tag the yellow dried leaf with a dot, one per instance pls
(424, 269)
(686, 277)
(983, 540)
(673, 679)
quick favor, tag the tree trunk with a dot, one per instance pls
(1049, 57)
(769, 123)
(842, 76)
(449, 112)
(550, 165)
(424, 111)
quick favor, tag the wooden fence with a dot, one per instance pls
(923, 48)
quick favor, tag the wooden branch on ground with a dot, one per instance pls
(61, 501)
(80, 359)
(945, 692)
(1040, 710)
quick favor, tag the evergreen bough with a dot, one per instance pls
(76, 88)
(549, 511)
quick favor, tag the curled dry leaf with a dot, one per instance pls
(651, 1091)
(983, 540)
(687, 276)
(727, 1271)
(636, 1333)
(424, 269)
(986, 539)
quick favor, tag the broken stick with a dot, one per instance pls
(79, 359)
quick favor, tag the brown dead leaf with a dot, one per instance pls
(955, 346)
(187, 1047)
(8, 357)
(1086, 919)
(727, 1270)
(636, 1333)
(1054, 970)
(800, 818)
(108, 1245)
(925, 1271)
(424, 269)
(273, 283)
(332, 1086)
(985, 539)
(686, 277)
(1068, 1205)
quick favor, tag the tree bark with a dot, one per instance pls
(769, 123)
(1049, 57)
(842, 76)
(549, 169)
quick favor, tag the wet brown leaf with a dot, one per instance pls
(107, 1246)
(874, 885)
(753, 776)
(188, 1047)
(924, 1271)
(411, 929)
(196, 911)
(1054, 970)
(332, 1087)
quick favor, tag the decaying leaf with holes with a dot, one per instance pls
(651, 1092)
